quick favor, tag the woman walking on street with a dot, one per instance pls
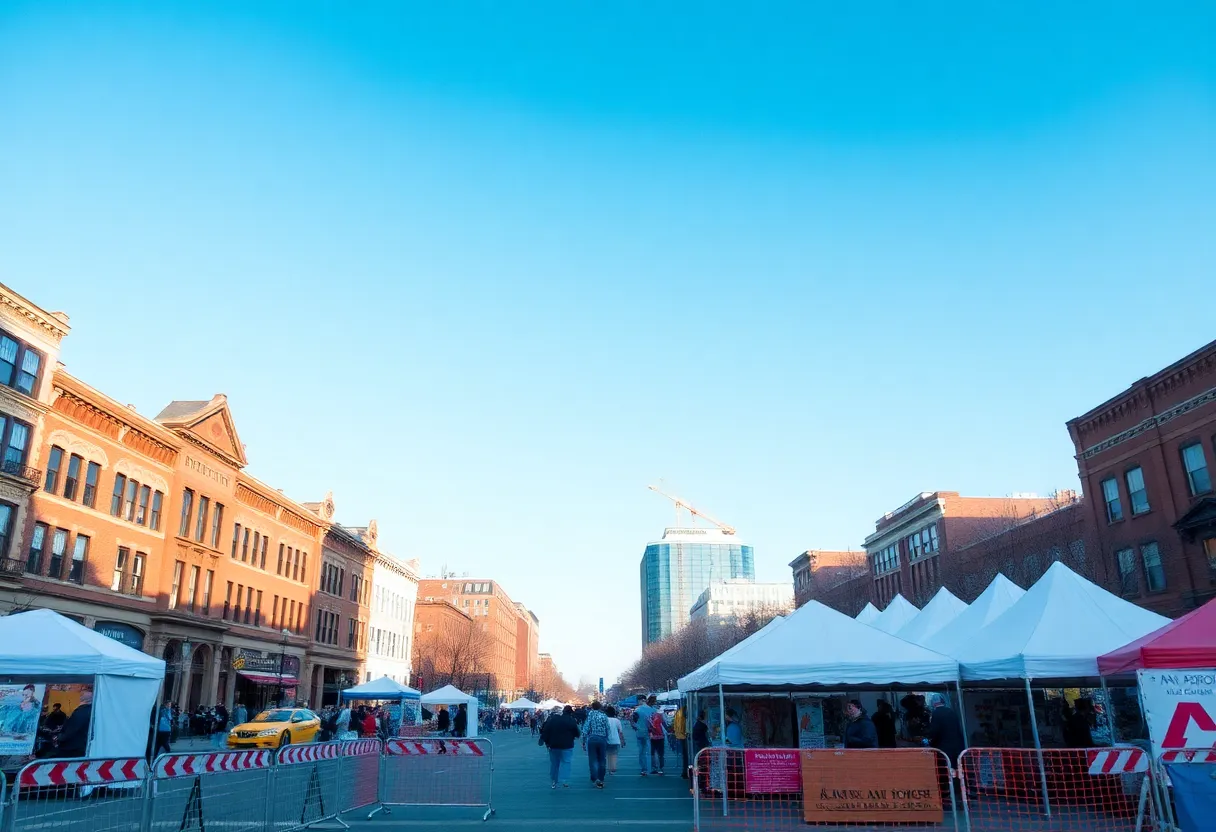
(616, 738)
(559, 735)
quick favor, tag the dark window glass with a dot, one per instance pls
(183, 528)
(236, 538)
(120, 485)
(200, 526)
(1110, 494)
(9, 348)
(137, 574)
(141, 510)
(90, 484)
(53, 464)
(33, 563)
(72, 481)
(80, 553)
(1154, 572)
(7, 512)
(59, 548)
(18, 441)
(1137, 495)
(154, 520)
(207, 582)
(1196, 465)
(128, 500)
(120, 569)
(265, 543)
(217, 522)
(27, 376)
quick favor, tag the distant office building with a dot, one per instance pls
(675, 571)
(723, 602)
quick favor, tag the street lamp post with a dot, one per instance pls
(282, 657)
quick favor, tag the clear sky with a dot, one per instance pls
(486, 270)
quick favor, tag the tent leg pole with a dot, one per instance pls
(1110, 710)
(1034, 729)
(962, 712)
(725, 754)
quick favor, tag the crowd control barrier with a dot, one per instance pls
(224, 789)
(1095, 789)
(52, 794)
(779, 789)
(305, 786)
(360, 774)
(437, 772)
(1186, 781)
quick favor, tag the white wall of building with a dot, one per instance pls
(728, 599)
(390, 629)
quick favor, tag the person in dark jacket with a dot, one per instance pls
(445, 720)
(559, 734)
(1077, 733)
(945, 733)
(859, 732)
(73, 740)
(460, 725)
(884, 724)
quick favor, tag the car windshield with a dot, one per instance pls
(273, 716)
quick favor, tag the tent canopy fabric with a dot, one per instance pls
(896, 616)
(449, 695)
(550, 704)
(1056, 630)
(699, 678)
(522, 704)
(383, 688)
(940, 611)
(1000, 595)
(868, 613)
(1189, 641)
(817, 645)
(45, 643)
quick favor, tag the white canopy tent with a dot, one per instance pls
(669, 696)
(522, 704)
(549, 704)
(940, 611)
(896, 616)
(818, 646)
(44, 645)
(1056, 630)
(699, 678)
(868, 613)
(454, 697)
(1000, 595)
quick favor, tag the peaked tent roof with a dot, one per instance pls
(868, 613)
(817, 645)
(896, 616)
(1189, 641)
(693, 681)
(521, 704)
(45, 643)
(1056, 630)
(551, 703)
(940, 611)
(448, 695)
(1000, 595)
(382, 688)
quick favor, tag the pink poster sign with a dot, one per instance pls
(772, 770)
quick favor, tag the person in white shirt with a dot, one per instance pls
(343, 721)
(616, 738)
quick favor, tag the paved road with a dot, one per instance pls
(522, 797)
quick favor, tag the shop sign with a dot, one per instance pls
(123, 633)
(771, 771)
(257, 661)
(1179, 707)
(876, 787)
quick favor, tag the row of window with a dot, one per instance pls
(359, 587)
(389, 644)
(205, 525)
(19, 364)
(332, 578)
(50, 547)
(72, 478)
(356, 634)
(1130, 569)
(191, 600)
(1198, 482)
(922, 543)
(887, 559)
(327, 627)
(392, 603)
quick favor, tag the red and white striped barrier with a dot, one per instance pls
(1189, 756)
(359, 748)
(411, 748)
(295, 754)
(83, 772)
(182, 765)
(1117, 761)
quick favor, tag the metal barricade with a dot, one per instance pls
(226, 790)
(305, 787)
(779, 789)
(359, 778)
(1186, 793)
(1095, 789)
(101, 795)
(437, 772)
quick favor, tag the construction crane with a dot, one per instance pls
(680, 504)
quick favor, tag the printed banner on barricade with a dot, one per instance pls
(53, 793)
(360, 779)
(307, 781)
(873, 786)
(1179, 709)
(437, 772)
(772, 771)
(398, 747)
(213, 790)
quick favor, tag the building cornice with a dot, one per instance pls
(881, 539)
(1205, 398)
(55, 327)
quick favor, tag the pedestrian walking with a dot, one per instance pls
(616, 738)
(700, 741)
(679, 730)
(658, 740)
(460, 725)
(343, 721)
(641, 727)
(445, 721)
(239, 715)
(164, 729)
(558, 736)
(595, 743)
(859, 732)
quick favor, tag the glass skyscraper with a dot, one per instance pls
(678, 568)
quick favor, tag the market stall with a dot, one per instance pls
(1000, 595)
(452, 698)
(406, 710)
(896, 616)
(522, 704)
(42, 648)
(551, 705)
(940, 611)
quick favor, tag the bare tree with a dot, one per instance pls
(456, 653)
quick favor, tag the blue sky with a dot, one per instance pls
(487, 271)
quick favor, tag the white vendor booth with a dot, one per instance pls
(453, 697)
(524, 704)
(42, 646)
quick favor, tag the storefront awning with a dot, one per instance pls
(269, 678)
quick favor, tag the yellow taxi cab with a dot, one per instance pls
(275, 728)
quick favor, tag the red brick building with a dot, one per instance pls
(1147, 462)
(819, 573)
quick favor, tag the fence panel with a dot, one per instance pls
(1095, 789)
(360, 777)
(222, 790)
(783, 789)
(437, 772)
(306, 785)
(101, 795)
(1187, 789)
